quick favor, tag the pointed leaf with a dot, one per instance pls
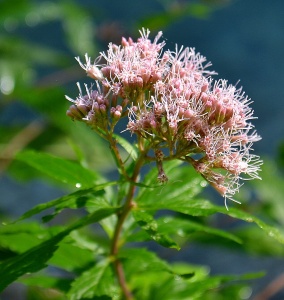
(199, 207)
(59, 168)
(184, 227)
(73, 200)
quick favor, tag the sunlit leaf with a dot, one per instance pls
(59, 168)
(183, 182)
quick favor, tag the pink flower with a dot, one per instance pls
(173, 102)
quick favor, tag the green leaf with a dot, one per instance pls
(30, 261)
(97, 281)
(74, 200)
(256, 242)
(270, 190)
(44, 281)
(138, 261)
(149, 224)
(183, 182)
(59, 168)
(199, 207)
(78, 27)
(21, 237)
(180, 195)
(198, 288)
(185, 281)
(130, 149)
(184, 227)
(35, 258)
(71, 257)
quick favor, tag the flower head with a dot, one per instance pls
(172, 101)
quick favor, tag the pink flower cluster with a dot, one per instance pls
(172, 102)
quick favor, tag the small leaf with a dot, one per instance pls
(59, 168)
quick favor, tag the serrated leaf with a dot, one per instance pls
(60, 169)
(73, 200)
(97, 281)
(150, 225)
(35, 258)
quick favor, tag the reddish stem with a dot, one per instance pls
(129, 203)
